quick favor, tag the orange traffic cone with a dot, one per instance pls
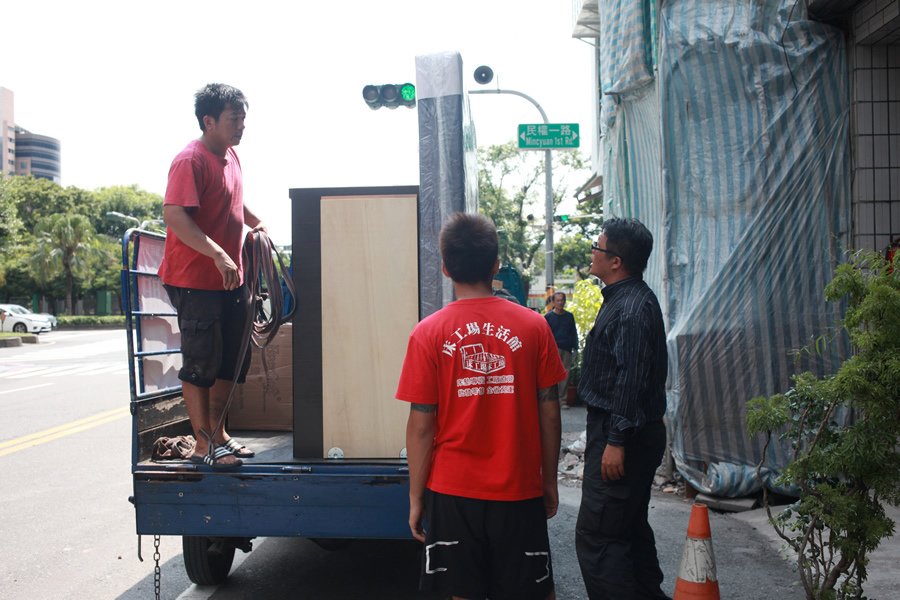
(697, 574)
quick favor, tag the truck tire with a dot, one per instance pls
(332, 544)
(207, 561)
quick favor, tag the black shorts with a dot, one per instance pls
(212, 325)
(478, 549)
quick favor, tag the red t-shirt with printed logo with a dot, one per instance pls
(211, 188)
(482, 361)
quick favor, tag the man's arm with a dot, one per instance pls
(419, 446)
(183, 225)
(631, 337)
(254, 222)
(551, 432)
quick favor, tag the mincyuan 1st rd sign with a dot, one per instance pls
(547, 136)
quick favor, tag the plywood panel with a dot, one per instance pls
(369, 307)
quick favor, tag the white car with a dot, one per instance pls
(18, 319)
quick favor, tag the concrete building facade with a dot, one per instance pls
(37, 155)
(7, 133)
(23, 152)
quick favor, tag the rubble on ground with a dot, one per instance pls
(571, 467)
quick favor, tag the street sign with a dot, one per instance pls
(549, 136)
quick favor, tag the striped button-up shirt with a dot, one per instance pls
(625, 359)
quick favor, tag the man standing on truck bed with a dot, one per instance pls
(201, 269)
(483, 433)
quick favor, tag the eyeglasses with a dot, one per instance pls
(597, 248)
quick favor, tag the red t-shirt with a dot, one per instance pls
(482, 360)
(211, 188)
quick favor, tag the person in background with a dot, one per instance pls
(562, 324)
(483, 433)
(623, 383)
(890, 252)
(201, 269)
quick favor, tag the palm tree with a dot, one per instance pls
(63, 246)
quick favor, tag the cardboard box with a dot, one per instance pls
(266, 400)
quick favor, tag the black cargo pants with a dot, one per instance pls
(614, 542)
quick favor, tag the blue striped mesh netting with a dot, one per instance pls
(732, 145)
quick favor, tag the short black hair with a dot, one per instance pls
(631, 241)
(213, 98)
(555, 294)
(469, 247)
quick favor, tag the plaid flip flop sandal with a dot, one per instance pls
(238, 449)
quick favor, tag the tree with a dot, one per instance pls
(64, 244)
(574, 251)
(36, 198)
(127, 200)
(511, 192)
(844, 472)
(10, 229)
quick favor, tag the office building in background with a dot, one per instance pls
(24, 152)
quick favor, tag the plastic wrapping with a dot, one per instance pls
(626, 43)
(747, 193)
(447, 170)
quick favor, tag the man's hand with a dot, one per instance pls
(416, 512)
(612, 465)
(260, 227)
(230, 276)
(551, 500)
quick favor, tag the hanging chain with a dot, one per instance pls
(156, 571)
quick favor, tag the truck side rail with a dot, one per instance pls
(150, 320)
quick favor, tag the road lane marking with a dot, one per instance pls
(30, 387)
(47, 372)
(60, 431)
(66, 371)
(117, 369)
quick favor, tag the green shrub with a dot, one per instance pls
(74, 321)
(845, 472)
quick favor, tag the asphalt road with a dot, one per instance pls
(68, 530)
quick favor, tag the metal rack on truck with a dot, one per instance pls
(338, 470)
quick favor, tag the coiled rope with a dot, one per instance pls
(263, 280)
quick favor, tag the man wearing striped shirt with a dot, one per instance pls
(623, 384)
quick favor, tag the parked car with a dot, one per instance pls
(49, 317)
(18, 319)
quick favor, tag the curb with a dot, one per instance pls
(10, 342)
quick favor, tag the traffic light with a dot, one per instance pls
(561, 218)
(390, 95)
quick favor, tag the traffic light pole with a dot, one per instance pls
(548, 184)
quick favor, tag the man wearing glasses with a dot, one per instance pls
(623, 385)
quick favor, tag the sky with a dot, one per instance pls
(114, 82)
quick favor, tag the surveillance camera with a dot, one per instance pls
(484, 74)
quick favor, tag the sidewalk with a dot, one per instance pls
(883, 582)
(752, 561)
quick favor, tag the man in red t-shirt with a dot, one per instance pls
(201, 269)
(483, 433)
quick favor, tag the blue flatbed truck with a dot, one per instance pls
(279, 492)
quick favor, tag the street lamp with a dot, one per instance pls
(483, 76)
(141, 224)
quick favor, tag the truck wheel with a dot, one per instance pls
(331, 544)
(207, 561)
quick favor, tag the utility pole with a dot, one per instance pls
(484, 75)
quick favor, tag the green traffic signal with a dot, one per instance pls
(390, 95)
